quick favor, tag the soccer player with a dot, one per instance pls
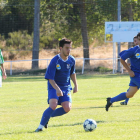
(2, 69)
(58, 74)
(128, 63)
(134, 72)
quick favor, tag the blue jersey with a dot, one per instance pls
(128, 60)
(134, 55)
(60, 71)
(121, 53)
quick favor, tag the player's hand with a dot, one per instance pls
(4, 76)
(131, 73)
(75, 89)
(59, 92)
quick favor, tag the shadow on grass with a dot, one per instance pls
(80, 123)
(24, 78)
(91, 76)
(36, 78)
(114, 106)
(129, 105)
(60, 125)
(17, 133)
(89, 107)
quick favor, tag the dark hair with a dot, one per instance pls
(64, 41)
(138, 34)
(135, 37)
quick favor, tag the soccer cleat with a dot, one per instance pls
(38, 130)
(46, 125)
(108, 103)
(123, 103)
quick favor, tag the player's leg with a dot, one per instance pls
(0, 80)
(57, 112)
(121, 96)
(135, 82)
(47, 114)
(131, 92)
(66, 106)
(53, 102)
(135, 85)
(125, 102)
(65, 101)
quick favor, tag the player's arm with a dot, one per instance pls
(128, 62)
(4, 75)
(125, 55)
(56, 87)
(131, 73)
(50, 74)
(74, 80)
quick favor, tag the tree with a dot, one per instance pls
(128, 15)
(35, 53)
(16, 15)
(84, 31)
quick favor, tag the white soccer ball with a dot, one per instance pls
(89, 125)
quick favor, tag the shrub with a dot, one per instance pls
(20, 40)
(102, 69)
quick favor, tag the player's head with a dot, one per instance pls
(138, 38)
(135, 40)
(65, 46)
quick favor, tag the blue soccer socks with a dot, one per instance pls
(121, 96)
(58, 112)
(46, 116)
(126, 100)
(51, 113)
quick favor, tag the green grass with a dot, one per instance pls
(24, 98)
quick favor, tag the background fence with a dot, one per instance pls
(24, 66)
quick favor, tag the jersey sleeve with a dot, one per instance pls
(50, 72)
(121, 53)
(128, 53)
(72, 69)
(1, 58)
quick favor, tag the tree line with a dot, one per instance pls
(60, 18)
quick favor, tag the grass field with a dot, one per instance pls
(24, 98)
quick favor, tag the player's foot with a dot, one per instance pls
(123, 103)
(46, 125)
(108, 103)
(38, 130)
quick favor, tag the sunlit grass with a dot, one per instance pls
(24, 98)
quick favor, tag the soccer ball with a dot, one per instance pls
(89, 125)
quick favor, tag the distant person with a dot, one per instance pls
(135, 41)
(58, 74)
(2, 69)
(134, 71)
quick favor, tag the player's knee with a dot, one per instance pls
(53, 106)
(67, 108)
(129, 95)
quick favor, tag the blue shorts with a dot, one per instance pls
(135, 81)
(66, 96)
